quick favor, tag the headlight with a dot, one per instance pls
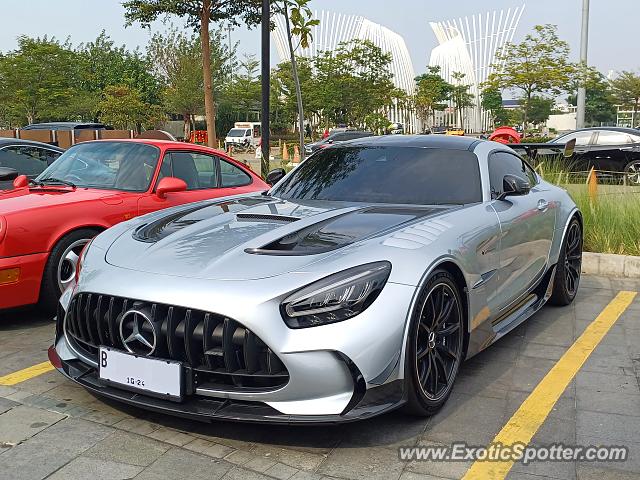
(83, 254)
(336, 297)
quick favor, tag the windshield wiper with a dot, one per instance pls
(53, 180)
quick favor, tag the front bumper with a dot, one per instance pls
(26, 290)
(364, 403)
(339, 372)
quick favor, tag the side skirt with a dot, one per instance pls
(529, 305)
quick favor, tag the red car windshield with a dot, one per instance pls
(124, 166)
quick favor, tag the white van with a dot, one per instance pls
(244, 134)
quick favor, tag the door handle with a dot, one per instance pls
(543, 205)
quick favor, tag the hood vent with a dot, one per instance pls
(266, 217)
(342, 230)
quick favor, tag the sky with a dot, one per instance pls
(612, 40)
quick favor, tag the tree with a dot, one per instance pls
(177, 61)
(599, 104)
(124, 108)
(298, 15)
(626, 92)
(432, 91)
(38, 80)
(461, 96)
(538, 65)
(284, 96)
(353, 81)
(244, 91)
(491, 101)
(199, 14)
(539, 109)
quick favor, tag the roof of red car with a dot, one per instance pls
(158, 143)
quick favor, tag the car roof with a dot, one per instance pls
(165, 144)
(632, 131)
(450, 142)
(19, 141)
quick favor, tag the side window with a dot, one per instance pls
(582, 138)
(233, 176)
(501, 164)
(27, 160)
(612, 138)
(198, 171)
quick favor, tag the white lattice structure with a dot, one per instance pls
(469, 45)
(335, 28)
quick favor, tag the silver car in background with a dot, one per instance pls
(356, 285)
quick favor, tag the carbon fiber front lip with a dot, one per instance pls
(375, 402)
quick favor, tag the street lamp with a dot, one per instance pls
(584, 40)
(266, 71)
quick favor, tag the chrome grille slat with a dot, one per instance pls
(221, 352)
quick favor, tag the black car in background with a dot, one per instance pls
(610, 150)
(336, 137)
(24, 157)
(67, 126)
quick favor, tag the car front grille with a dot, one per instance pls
(221, 353)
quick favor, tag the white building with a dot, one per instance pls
(335, 28)
(469, 45)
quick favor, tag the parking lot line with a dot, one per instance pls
(26, 373)
(526, 421)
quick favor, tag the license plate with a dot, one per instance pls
(161, 378)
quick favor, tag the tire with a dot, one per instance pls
(632, 173)
(430, 348)
(60, 268)
(568, 269)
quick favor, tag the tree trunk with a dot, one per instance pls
(525, 116)
(209, 103)
(187, 125)
(296, 80)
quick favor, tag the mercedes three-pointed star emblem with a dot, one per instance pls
(135, 337)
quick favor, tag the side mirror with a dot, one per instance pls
(169, 185)
(21, 181)
(7, 174)
(514, 186)
(569, 148)
(275, 176)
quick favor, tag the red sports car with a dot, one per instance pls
(45, 223)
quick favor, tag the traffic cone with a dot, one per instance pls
(285, 152)
(296, 154)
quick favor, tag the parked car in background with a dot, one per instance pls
(358, 284)
(67, 126)
(336, 137)
(610, 150)
(244, 135)
(46, 222)
(24, 157)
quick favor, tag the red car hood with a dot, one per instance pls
(13, 201)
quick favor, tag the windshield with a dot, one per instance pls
(404, 175)
(238, 132)
(109, 165)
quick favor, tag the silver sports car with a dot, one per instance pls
(356, 285)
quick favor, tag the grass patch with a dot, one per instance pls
(611, 220)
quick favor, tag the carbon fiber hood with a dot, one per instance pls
(252, 237)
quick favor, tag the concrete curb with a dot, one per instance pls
(610, 265)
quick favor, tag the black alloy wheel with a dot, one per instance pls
(568, 270)
(436, 345)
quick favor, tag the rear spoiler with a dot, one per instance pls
(531, 149)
